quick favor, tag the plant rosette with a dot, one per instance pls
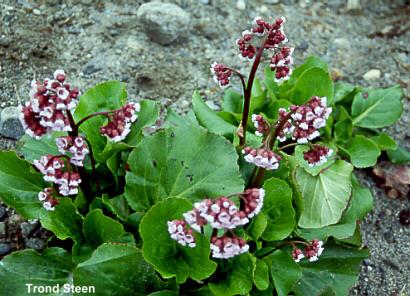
(257, 199)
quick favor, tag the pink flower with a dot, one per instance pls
(261, 125)
(261, 157)
(179, 232)
(76, 146)
(227, 247)
(317, 155)
(46, 196)
(253, 201)
(297, 255)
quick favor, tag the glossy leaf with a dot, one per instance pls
(19, 185)
(278, 210)
(399, 155)
(164, 165)
(168, 257)
(325, 196)
(52, 267)
(284, 271)
(115, 269)
(106, 96)
(376, 108)
(261, 275)
(363, 152)
(313, 82)
(234, 277)
(385, 142)
(65, 221)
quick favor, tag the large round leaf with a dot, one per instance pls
(20, 185)
(326, 195)
(115, 269)
(167, 256)
(235, 277)
(181, 162)
(363, 152)
(313, 82)
(278, 210)
(52, 267)
(284, 271)
(376, 108)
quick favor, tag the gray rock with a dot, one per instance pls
(3, 212)
(373, 74)
(4, 249)
(163, 22)
(4, 41)
(35, 243)
(93, 66)
(27, 228)
(2, 229)
(10, 125)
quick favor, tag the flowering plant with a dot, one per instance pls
(256, 198)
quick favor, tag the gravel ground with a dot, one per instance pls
(96, 41)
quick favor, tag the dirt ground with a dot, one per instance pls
(96, 41)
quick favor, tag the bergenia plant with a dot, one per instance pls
(259, 198)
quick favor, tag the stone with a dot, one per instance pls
(2, 229)
(35, 243)
(27, 228)
(336, 74)
(4, 249)
(163, 23)
(353, 5)
(10, 125)
(4, 41)
(93, 65)
(241, 4)
(372, 74)
(213, 106)
(3, 212)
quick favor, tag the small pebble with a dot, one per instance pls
(3, 212)
(2, 229)
(372, 75)
(36, 11)
(4, 249)
(35, 243)
(241, 4)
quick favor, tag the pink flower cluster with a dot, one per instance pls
(119, 126)
(46, 196)
(281, 62)
(312, 251)
(49, 103)
(226, 247)
(305, 121)
(181, 233)
(317, 155)
(221, 74)
(262, 157)
(221, 214)
(52, 169)
(262, 127)
(76, 146)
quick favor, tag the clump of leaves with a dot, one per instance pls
(207, 204)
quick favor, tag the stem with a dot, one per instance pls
(288, 146)
(104, 113)
(97, 182)
(248, 93)
(261, 173)
(74, 127)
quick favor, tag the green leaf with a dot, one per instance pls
(376, 108)
(232, 102)
(326, 195)
(384, 141)
(168, 257)
(173, 119)
(335, 272)
(257, 226)
(278, 209)
(344, 92)
(234, 277)
(99, 229)
(147, 117)
(209, 119)
(399, 155)
(106, 96)
(117, 270)
(361, 203)
(284, 271)
(261, 275)
(117, 205)
(164, 293)
(164, 165)
(33, 149)
(343, 130)
(258, 97)
(314, 170)
(65, 221)
(313, 82)
(52, 267)
(19, 186)
(363, 152)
